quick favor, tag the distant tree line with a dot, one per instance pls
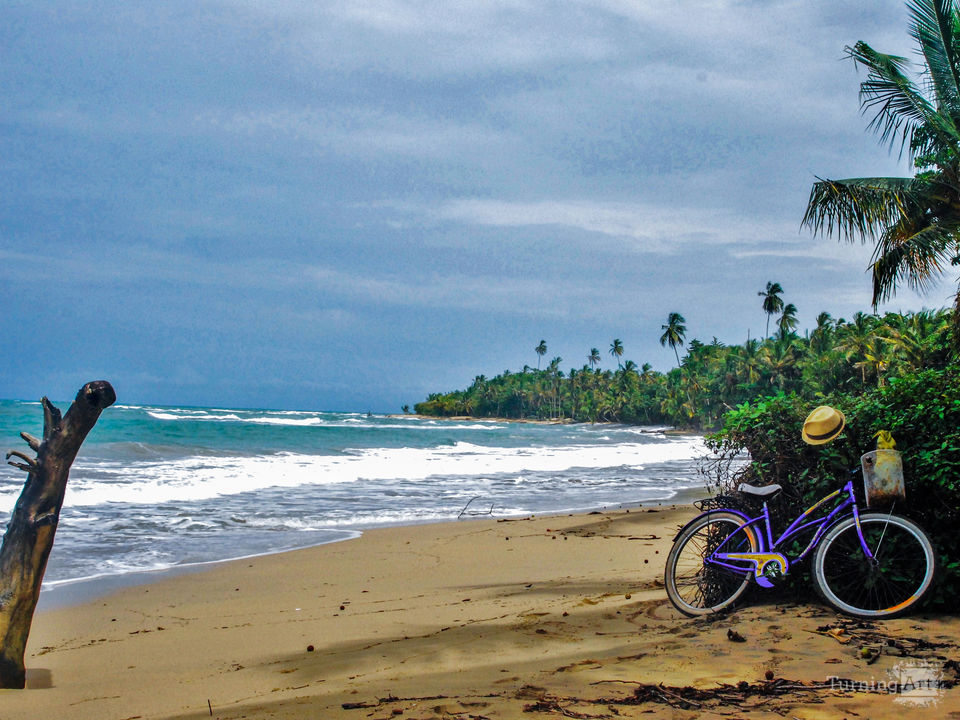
(712, 378)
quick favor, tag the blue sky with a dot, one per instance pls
(347, 205)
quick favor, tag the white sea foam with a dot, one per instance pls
(188, 415)
(202, 477)
(306, 419)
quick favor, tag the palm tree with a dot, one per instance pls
(914, 338)
(781, 360)
(913, 222)
(616, 349)
(772, 302)
(555, 375)
(856, 340)
(822, 333)
(593, 358)
(788, 321)
(674, 333)
(541, 350)
(875, 359)
(748, 360)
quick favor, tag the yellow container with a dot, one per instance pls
(883, 477)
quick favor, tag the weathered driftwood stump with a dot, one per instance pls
(29, 536)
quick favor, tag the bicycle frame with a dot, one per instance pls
(760, 531)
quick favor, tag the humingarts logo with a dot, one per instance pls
(913, 683)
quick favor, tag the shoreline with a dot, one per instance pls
(498, 618)
(75, 591)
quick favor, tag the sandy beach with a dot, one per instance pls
(540, 617)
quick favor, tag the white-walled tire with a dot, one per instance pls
(892, 583)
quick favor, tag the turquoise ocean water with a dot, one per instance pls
(161, 487)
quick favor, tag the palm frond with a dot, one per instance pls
(899, 105)
(913, 251)
(914, 222)
(859, 208)
(933, 29)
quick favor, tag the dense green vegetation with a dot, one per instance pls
(921, 409)
(853, 356)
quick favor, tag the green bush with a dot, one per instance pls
(922, 410)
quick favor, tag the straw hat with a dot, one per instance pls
(823, 425)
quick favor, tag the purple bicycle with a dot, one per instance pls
(864, 563)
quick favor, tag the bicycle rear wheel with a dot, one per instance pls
(697, 586)
(895, 580)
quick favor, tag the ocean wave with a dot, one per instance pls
(193, 417)
(106, 571)
(285, 418)
(203, 477)
(306, 419)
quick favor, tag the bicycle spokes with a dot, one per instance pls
(695, 584)
(895, 575)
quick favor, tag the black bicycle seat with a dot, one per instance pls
(767, 491)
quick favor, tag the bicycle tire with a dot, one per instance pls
(698, 588)
(893, 583)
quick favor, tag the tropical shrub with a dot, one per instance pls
(922, 410)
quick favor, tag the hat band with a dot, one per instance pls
(836, 429)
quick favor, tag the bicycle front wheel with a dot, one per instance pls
(695, 584)
(893, 581)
